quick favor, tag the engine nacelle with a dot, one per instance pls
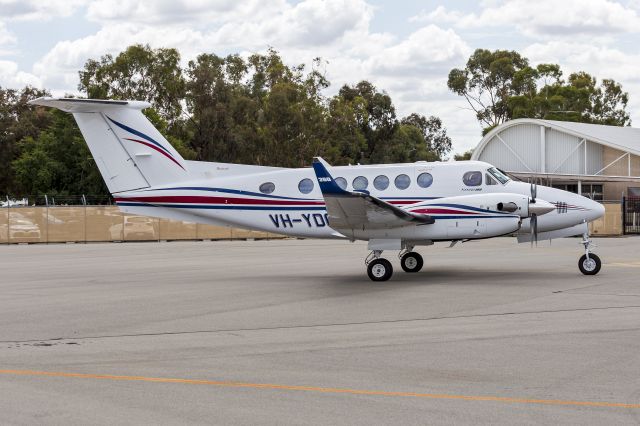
(507, 203)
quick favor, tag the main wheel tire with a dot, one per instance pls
(590, 266)
(379, 270)
(411, 262)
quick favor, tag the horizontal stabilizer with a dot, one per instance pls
(88, 105)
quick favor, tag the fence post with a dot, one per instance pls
(8, 221)
(46, 212)
(624, 215)
(84, 203)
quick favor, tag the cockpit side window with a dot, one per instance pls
(500, 177)
(472, 178)
(488, 180)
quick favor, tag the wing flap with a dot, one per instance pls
(360, 210)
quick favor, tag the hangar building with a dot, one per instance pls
(601, 162)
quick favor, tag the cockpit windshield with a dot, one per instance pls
(500, 177)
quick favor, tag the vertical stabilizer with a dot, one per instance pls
(129, 151)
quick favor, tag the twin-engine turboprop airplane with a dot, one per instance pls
(392, 206)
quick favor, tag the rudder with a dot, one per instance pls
(129, 151)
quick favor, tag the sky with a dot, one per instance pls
(406, 48)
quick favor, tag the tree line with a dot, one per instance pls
(258, 110)
(227, 109)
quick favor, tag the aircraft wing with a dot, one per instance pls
(359, 210)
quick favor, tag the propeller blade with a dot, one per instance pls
(533, 222)
(534, 192)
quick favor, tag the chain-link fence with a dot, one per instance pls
(56, 200)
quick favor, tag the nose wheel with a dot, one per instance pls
(589, 263)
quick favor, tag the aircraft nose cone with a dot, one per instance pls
(541, 207)
(597, 209)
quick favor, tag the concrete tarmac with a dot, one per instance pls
(293, 332)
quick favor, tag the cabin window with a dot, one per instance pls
(267, 187)
(472, 178)
(381, 182)
(402, 181)
(341, 182)
(305, 186)
(498, 175)
(488, 180)
(360, 183)
(425, 180)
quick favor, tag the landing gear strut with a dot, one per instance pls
(378, 269)
(410, 260)
(589, 263)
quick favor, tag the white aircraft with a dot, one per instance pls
(392, 206)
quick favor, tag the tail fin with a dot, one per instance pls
(130, 153)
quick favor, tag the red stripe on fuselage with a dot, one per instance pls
(199, 199)
(442, 211)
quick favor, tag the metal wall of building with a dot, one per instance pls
(564, 153)
(524, 141)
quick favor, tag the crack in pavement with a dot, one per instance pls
(301, 326)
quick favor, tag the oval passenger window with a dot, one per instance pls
(402, 181)
(267, 187)
(381, 182)
(472, 178)
(360, 183)
(341, 182)
(425, 180)
(305, 186)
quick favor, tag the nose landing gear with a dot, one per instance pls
(589, 263)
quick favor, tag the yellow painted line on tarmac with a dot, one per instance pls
(323, 389)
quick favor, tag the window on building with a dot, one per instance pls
(305, 186)
(360, 183)
(341, 182)
(472, 178)
(425, 180)
(267, 187)
(381, 182)
(402, 181)
(593, 191)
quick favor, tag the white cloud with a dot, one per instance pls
(590, 35)
(426, 52)
(6, 36)
(30, 10)
(59, 67)
(545, 18)
(326, 27)
(11, 77)
(169, 12)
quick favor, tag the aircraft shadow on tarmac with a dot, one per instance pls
(443, 276)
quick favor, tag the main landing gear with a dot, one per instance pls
(380, 269)
(589, 263)
(410, 261)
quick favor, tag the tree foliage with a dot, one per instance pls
(501, 85)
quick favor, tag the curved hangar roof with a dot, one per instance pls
(530, 145)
